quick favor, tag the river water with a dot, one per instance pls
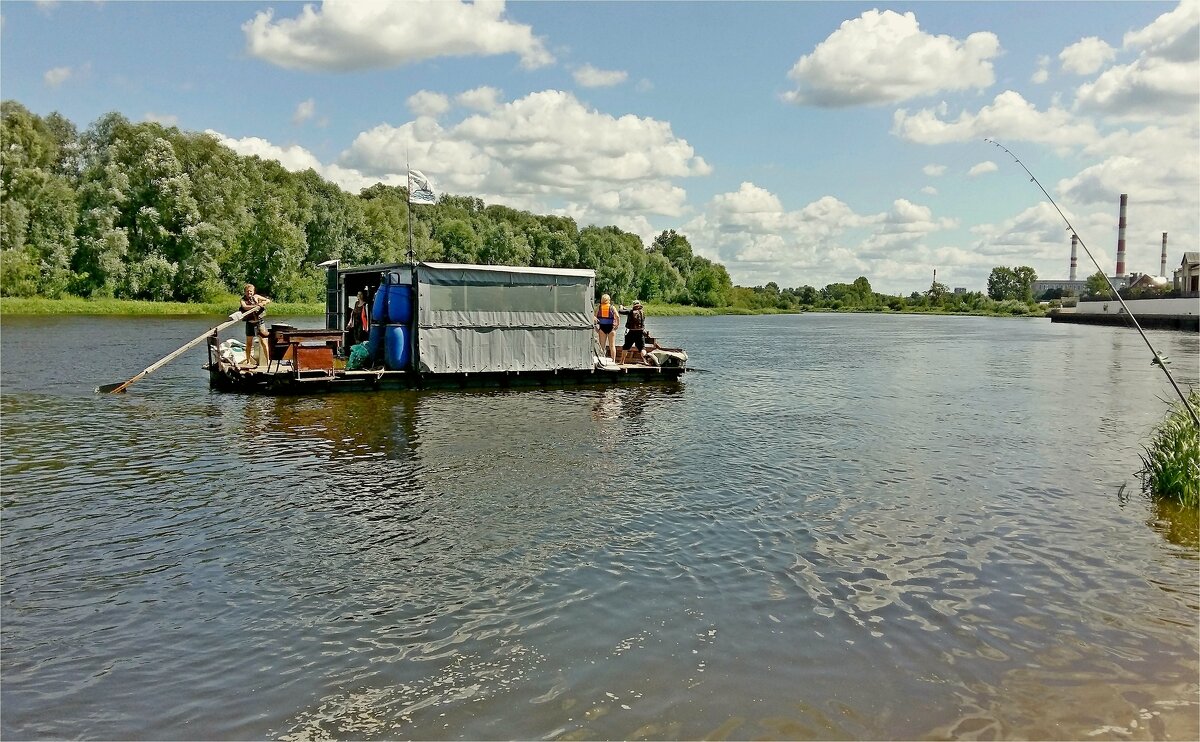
(848, 526)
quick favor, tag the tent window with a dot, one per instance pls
(565, 298)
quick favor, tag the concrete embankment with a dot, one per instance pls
(1166, 314)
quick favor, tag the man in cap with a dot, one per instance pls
(635, 329)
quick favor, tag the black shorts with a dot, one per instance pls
(606, 328)
(634, 337)
(254, 329)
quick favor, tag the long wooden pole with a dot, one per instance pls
(118, 388)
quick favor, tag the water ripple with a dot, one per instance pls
(852, 527)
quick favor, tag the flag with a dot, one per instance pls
(420, 190)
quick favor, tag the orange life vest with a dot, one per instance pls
(604, 313)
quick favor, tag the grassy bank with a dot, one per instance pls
(1172, 458)
(124, 307)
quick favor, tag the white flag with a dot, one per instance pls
(420, 190)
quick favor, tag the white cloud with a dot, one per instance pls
(483, 98)
(343, 35)
(298, 159)
(1164, 81)
(425, 103)
(166, 119)
(1172, 35)
(304, 111)
(644, 86)
(987, 166)
(884, 57)
(1146, 90)
(1009, 117)
(1086, 56)
(57, 76)
(933, 170)
(1043, 71)
(590, 77)
(826, 241)
(929, 191)
(1036, 235)
(546, 149)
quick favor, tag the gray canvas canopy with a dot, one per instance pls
(480, 318)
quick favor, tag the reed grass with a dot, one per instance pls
(1172, 459)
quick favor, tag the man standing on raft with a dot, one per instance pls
(635, 329)
(254, 307)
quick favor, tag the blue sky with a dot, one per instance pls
(798, 142)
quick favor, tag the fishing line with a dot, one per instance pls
(1158, 360)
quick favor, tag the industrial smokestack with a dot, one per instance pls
(1162, 271)
(1074, 258)
(1121, 236)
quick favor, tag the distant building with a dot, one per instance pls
(1074, 288)
(959, 290)
(1147, 281)
(1187, 275)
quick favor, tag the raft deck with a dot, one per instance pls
(285, 375)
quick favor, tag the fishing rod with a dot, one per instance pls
(1159, 360)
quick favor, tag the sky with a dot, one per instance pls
(803, 143)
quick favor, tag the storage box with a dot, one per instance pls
(314, 358)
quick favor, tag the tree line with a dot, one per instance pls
(859, 296)
(143, 211)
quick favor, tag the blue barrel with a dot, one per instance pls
(395, 348)
(375, 341)
(379, 308)
(399, 303)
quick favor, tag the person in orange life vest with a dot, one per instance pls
(360, 319)
(607, 322)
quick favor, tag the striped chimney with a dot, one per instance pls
(1121, 236)
(1162, 271)
(1074, 256)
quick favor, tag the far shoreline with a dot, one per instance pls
(40, 306)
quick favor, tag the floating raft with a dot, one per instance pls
(446, 325)
(286, 375)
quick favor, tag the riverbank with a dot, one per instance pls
(127, 307)
(124, 307)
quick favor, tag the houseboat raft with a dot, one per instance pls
(444, 325)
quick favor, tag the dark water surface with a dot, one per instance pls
(853, 526)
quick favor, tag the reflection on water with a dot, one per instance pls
(854, 527)
(1178, 524)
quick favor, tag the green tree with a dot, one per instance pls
(937, 291)
(1025, 276)
(459, 242)
(709, 284)
(502, 245)
(1002, 284)
(675, 248)
(1097, 285)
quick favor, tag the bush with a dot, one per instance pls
(1172, 459)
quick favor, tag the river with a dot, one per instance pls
(846, 526)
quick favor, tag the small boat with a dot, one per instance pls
(437, 325)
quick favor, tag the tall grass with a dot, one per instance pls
(1172, 459)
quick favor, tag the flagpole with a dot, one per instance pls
(408, 169)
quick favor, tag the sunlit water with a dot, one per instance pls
(850, 526)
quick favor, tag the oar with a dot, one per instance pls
(118, 388)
